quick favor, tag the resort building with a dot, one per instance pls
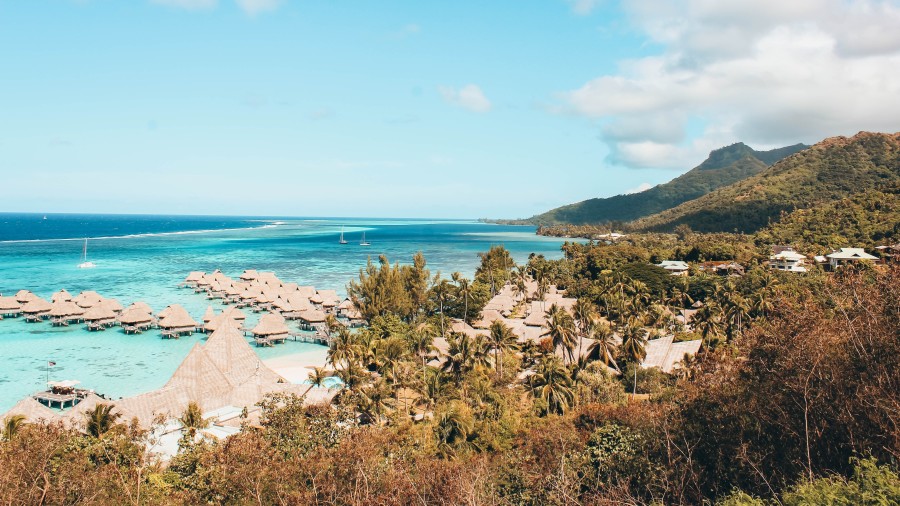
(787, 260)
(674, 267)
(848, 256)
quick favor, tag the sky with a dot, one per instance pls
(395, 108)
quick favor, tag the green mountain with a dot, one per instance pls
(833, 169)
(864, 220)
(723, 167)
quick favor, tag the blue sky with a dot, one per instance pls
(412, 108)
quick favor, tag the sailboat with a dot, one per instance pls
(84, 261)
(342, 241)
(363, 242)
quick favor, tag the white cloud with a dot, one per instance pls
(766, 72)
(639, 188)
(583, 7)
(188, 4)
(468, 97)
(254, 7)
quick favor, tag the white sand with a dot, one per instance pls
(296, 367)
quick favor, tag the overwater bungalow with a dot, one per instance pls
(113, 305)
(209, 314)
(270, 329)
(25, 296)
(249, 275)
(87, 299)
(192, 278)
(99, 317)
(9, 306)
(175, 322)
(61, 296)
(64, 312)
(135, 319)
(313, 318)
(36, 309)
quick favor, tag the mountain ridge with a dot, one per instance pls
(723, 166)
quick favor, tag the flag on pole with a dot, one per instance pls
(50, 363)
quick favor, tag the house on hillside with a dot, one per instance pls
(674, 267)
(787, 260)
(723, 268)
(848, 256)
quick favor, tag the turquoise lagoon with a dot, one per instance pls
(145, 258)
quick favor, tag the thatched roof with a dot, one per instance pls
(345, 304)
(271, 324)
(113, 305)
(229, 351)
(249, 275)
(538, 315)
(87, 299)
(60, 296)
(142, 305)
(665, 354)
(36, 305)
(194, 276)
(218, 320)
(25, 296)
(236, 314)
(306, 291)
(10, 304)
(313, 316)
(488, 316)
(463, 328)
(135, 315)
(65, 308)
(176, 317)
(98, 313)
(75, 417)
(32, 410)
(209, 314)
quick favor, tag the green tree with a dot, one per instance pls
(561, 330)
(11, 426)
(192, 419)
(552, 383)
(634, 347)
(502, 339)
(101, 419)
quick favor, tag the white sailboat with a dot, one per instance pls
(84, 261)
(342, 241)
(363, 241)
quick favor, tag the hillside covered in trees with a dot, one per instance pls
(724, 166)
(833, 169)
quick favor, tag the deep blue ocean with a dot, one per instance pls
(146, 257)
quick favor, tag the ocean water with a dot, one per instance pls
(146, 257)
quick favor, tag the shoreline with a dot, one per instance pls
(296, 367)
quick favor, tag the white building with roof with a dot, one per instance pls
(846, 256)
(788, 260)
(674, 267)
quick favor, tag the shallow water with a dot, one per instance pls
(145, 259)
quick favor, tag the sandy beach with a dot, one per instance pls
(296, 367)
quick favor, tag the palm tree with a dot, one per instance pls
(502, 339)
(341, 349)
(520, 282)
(552, 383)
(317, 378)
(441, 288)
(11, 426)
(192, 419)
(561, 329)
(465, 291)
(351, 375)
(709, 322)
(453, 426)
(634, 342)
(460, 354)
(604, 345)
(422, 344)
(376, 400)
(101, 419)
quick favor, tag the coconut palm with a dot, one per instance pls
(604, 345)
(634, 347)
(11, 426)
(561, 330)
(708, 322)
(341, 350)
(422, 344)
(317, 378)
(351, 375)
(502, 339)
(376, 400)
(192, 419)
(452, 427)
(464, 288)
(460, 354)
(553, 383)
(100, 419)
